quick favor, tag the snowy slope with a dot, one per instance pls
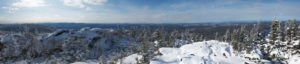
(207, 52)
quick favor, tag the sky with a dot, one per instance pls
(146, 11)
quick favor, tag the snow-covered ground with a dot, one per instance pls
(207, 52)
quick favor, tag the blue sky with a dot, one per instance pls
(146, 11)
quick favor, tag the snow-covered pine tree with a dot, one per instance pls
(296, 46)
(155, 35)
(298, 33)
(290, 31)
(275, 39)
(182, 38)
(280, 33)
(216, 36)
(256, 36)
(294, 29)
(227, 36)
(187, 37)
(239, 38)
(273, 35)
(176, 36)
(201, 38)
(172, 39)
(255, 32)
(159, 36)
(234, 39)
(242, 40)
(162, 35)
(194, 37)
(287, 31)
(147, 48)
(190, 36)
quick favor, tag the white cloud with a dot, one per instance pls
(11, 9)
(95, 2)
(29, 3)
(24, 3)
(83, 3)
(74, 3)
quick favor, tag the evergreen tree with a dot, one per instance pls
(294, 29)
(216, 35)
(159, 36)
(297, 47)
(290, 31)
(280, 33)
(201, 38)
(256, 36)
(147, 48)
(155, 35)
(234, 39)
(195, 37)
(239, 38)
(275, 39)
(185, 36)
(273, 35)
(162, 35)
(227, 36)
(172, 39)
(255, 32)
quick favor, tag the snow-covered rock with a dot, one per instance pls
(295, 59)
(132, 59)
(207, 52)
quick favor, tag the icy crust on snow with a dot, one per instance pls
(207, 52)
